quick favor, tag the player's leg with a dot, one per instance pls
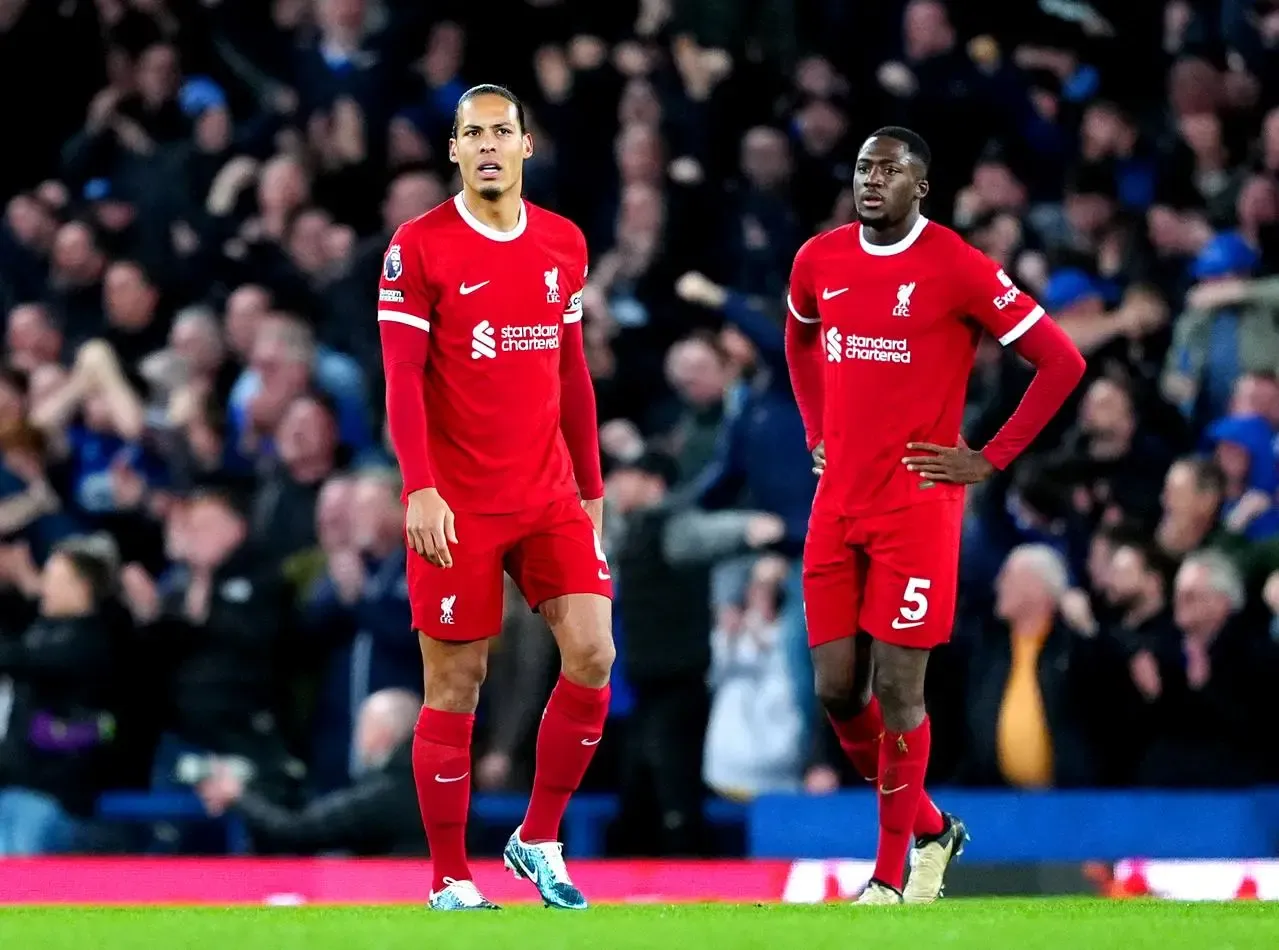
(910, 602)
(834, 573)
(561, 570)
(455, 611)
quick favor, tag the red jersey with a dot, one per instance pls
(899, 325)
(495, 304)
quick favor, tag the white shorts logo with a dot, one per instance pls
(482, 341)
(446, 610)
(604, 574)
(834, 345)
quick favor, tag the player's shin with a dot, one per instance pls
(859, 737)
(903, 763)
(571, 729)
(442, 773)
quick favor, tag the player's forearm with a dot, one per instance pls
(578, 420)
(404, 359)
(804, 360)
(1058, 368)
(1090, 333)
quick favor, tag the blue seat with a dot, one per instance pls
(588, 816)
(175, 806)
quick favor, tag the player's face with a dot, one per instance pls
(489, 148)
(886, 182)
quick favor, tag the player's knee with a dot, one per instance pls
(453, 676)
(590, 662)
(835, 691)
(901, 698)
(841, 678)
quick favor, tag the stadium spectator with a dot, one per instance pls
(374, 813)
(754, 737)
(662, 557)
(215, 623)
(1210, 686)
(1032, 717)
(356, 615)
(61, 748)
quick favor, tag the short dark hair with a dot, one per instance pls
(1155, 560)
(1208, 474)
(96, 559)
(491, 89)
(1124, 534)
(913, 141)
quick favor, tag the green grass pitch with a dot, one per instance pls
(958, 924)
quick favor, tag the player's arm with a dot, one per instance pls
(348, 818)
(1016, 320)
(578, 421)
(405, 329)
(804, 347)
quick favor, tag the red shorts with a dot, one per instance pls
(893, 575)
(549, 552)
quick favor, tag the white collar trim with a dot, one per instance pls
(887, 250)
(493, 234)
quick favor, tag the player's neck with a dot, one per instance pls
(500, 214)
(893, 233)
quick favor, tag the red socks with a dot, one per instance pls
(442, 773)
(859, 738)
(903, 760)
(571, 729)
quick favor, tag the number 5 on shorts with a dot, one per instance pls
(913, 615)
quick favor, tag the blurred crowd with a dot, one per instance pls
(202, 569)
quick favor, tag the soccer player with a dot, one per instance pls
(886, 314)
(492, 416)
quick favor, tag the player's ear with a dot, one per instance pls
(921, 189)
(453, 150)
(528, 144)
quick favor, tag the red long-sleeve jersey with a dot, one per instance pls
(880, 344)
(488, 395)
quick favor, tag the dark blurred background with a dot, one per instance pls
(201, 564)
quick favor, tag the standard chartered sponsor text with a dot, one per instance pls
(542, 336)
(877, 349)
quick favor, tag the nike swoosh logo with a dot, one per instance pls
(899, 624)
(529, 872)
(605, 576)
(442, 779)
(464, 290)
(591, 741)
(828, 294)
(889, 791)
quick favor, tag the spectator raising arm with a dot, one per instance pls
(96, 372)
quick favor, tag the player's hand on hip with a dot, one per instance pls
(594, 508)
(429, 526)
(958, 464)
(819, 458)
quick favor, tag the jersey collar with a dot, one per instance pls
(888, 250)
(493, 234)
